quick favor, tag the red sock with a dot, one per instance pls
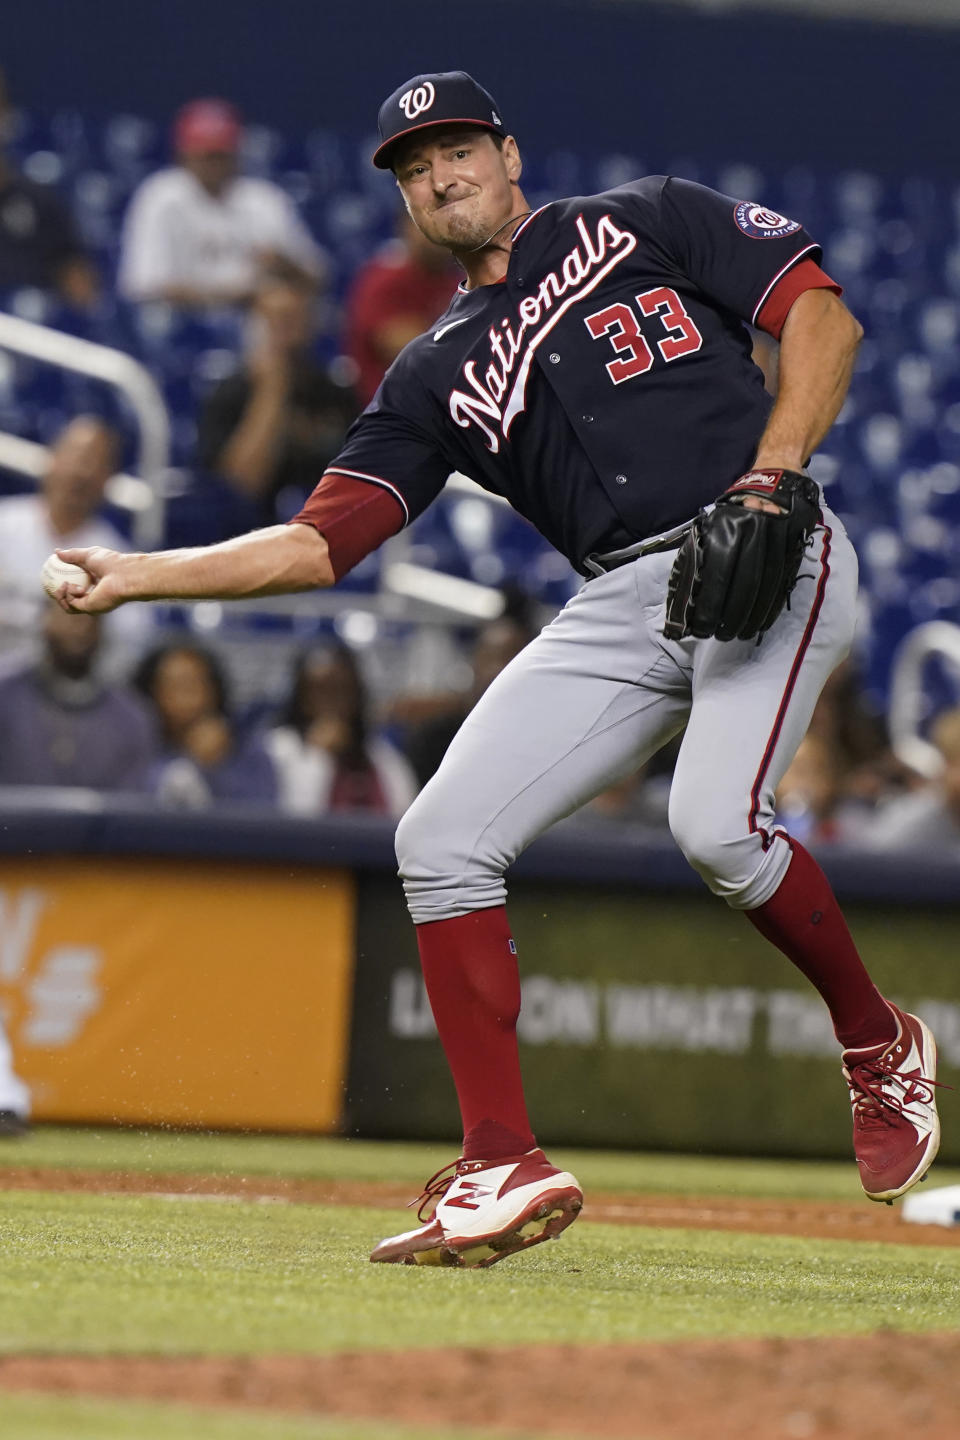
(470, 971)
(804, 920)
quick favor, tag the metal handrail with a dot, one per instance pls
(143, 496)
(937, 637)
(127, 375)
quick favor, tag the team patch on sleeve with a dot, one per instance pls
(762, 224)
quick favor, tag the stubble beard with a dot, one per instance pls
(461, 232)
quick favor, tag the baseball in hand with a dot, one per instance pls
(57, 572)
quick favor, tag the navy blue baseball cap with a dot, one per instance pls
(450, 98)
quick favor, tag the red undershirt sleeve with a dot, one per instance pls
(805, 275)
(353, 516)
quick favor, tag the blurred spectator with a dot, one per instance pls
(496, 644)
(867, 769)
(63, 513)
(271, 428)
(843, 769)
(198, 233)
(39, 245)
(810, 801)
(927, 823)
(393, 299)
(325, 757)
(204, 758)
(635, 800)
(62, 724)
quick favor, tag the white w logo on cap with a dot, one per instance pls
(414, 102)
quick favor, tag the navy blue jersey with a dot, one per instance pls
(605, 387)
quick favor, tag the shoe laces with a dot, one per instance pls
(438, 1185)
(435, 1188)
(873, 1098)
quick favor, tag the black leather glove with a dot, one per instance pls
(737, 566)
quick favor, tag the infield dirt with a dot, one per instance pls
(879, 1386)
(816, 1219)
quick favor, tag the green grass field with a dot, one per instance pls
(131, 1274)
(409, 1163)
(41, 1417)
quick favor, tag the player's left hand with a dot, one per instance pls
(739, 562)
(753, 502)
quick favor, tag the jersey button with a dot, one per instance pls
(621, 479)
(554, 358)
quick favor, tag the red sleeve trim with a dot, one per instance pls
(373, 480)
(790, 265)
(775, 307)
(353, 516)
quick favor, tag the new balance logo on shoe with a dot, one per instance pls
(521, 1201)
(467, 1195)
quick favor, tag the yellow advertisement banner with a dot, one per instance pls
(172, 992)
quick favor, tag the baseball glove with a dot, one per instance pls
(737, 566)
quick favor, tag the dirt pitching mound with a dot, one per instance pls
(880, 1386)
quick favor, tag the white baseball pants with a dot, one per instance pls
(595, 695)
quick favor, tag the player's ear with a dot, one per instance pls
(511, 160)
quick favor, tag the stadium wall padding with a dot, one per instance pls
(165, 992)
(649, 1021)
(233, 969)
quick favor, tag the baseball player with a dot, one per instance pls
(594, 368)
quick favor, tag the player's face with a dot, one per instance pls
(458, 185)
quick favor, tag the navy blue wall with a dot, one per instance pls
(655, 83)
(39, 822)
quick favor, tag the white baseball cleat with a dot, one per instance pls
(486, 1210)
(896, 1132)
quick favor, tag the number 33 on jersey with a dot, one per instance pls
(605, 386)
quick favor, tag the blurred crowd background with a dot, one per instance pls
(263, 277)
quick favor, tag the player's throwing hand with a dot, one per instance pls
(103, 590)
